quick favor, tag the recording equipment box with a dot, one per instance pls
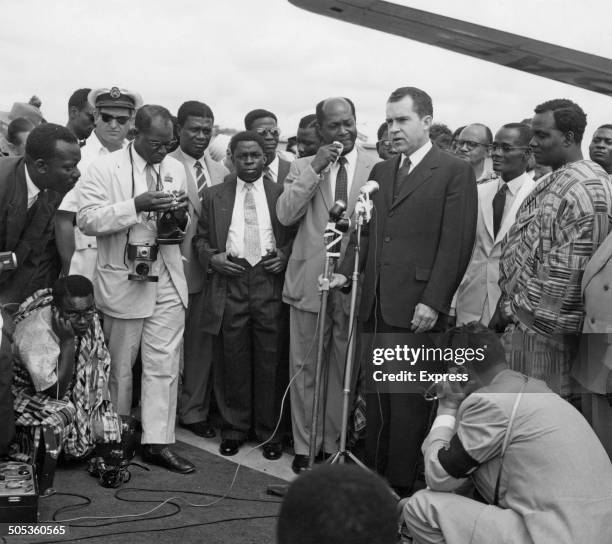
(18, 493)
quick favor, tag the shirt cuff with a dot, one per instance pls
(444, 420)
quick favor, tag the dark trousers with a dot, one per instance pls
(251, 340)
(397, 423)
(197, 365)
(7, 425)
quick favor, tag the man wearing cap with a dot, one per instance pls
(126, 201)
(264, 122)
(195, 122)
(113, 111)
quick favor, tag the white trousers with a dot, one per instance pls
(159, 338)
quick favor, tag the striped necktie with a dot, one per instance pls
(200, 176)
(252, 243)
(341, 192)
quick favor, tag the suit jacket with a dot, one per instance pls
(106, 210)
(419, 246)
(211, 238)
(194, 274)
(479, 291)
(28, 235)
(306, 201)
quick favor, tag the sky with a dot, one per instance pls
(237, 55)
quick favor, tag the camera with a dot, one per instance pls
(169, 231)
(8, 260)
(142, 257)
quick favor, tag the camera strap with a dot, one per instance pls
(507, 439)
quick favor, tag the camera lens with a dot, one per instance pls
(144, 252)
(142, 269)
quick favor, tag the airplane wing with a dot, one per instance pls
(544, 59)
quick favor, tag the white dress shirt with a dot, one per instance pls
(417, 156)
(514, 185)
(350, 165)
(190, 161)
(32, 189)
(235, 237)
(273, 166)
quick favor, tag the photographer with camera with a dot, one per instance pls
(245, 248)
(530, 455)
(134, 202)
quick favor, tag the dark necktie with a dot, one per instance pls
(200, 177)
(499, 202)
(402, 174)
(341, 192)
(82, 143)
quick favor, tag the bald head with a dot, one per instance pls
(336, 122)
(472, 145)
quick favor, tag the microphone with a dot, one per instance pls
(369, 188)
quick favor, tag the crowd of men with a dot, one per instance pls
(127, 242)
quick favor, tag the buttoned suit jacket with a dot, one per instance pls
(479, 291)
(419, 245)
(211, 238)
(306, 201)
(194, 274)
(107, 211)
(26, 238)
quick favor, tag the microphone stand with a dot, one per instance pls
(363, 210)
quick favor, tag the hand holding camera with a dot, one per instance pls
(154, 201)
(326, 154)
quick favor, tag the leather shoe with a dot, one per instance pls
(229, 446)
(273, 451)
(166, 458)
(300, 463)
(201, 428)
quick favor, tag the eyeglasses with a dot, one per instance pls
(274, 132)
(386, 143)
(121, 119)
(470, 144)
(76, 314)
(158, 145)
(505, 148)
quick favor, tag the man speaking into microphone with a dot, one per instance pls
(421, 236)
(310, 189)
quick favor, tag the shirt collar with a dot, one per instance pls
(515, 184)
(273, 166)
(351, 157)
(417, 156)
(33, 190)
(257, 184)
(191, 160)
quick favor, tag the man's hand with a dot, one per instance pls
(62, 327)
(182, 201)
(154, 201)
(326, 154)
(450, 396)
(424, 318)
(276, 264)
(222, 265)
(337, 280)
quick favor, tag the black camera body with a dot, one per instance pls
(142, 257)
(170, 230)
(8, 260)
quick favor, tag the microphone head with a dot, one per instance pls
(337, 210)
(370, 187)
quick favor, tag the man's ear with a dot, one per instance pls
(72, 112)
(569, 138)
(41, 166)
(427, 122)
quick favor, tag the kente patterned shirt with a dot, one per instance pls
(558, 227)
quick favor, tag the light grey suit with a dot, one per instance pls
(197, 344)
(306, 200)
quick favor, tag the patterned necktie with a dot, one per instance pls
(150, 175)
(252, 244)
(341, 181)
(267, 174)
(200, 177)
(402, 174)
(499, 202)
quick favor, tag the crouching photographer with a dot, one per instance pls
(134, 202)
(530, 455)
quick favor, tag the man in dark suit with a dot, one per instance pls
(31, 188)
(421, 238)
(264, 122)
(195, 122)
(244, 246)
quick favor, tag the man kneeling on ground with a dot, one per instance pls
(61, 367)
(530, 454)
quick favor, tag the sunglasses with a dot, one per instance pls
(268, 131)
(121, 119)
